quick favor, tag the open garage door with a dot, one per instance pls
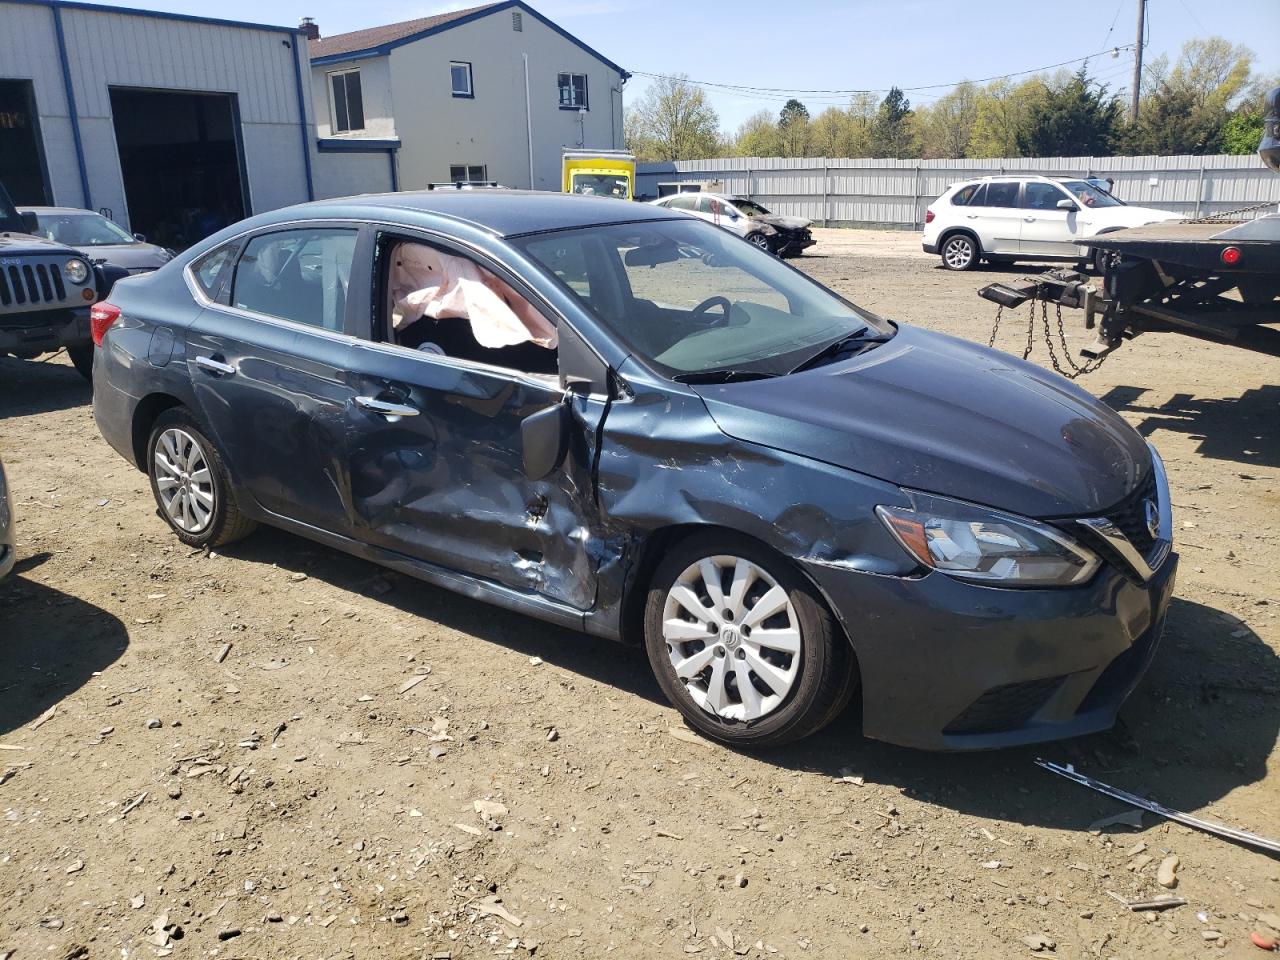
(21, 162)
(180, 156)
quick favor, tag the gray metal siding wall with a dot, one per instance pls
(106, 49)
(895, 193)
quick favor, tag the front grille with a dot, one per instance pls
(1004, 708)
(32, 284)
(1130, 517)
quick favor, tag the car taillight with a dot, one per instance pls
(1230, 256)
(101, 317)
(928, 216)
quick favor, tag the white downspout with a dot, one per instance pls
(528, 120)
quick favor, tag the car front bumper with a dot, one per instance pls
(790, 247)
(948, 665)
(31, 334)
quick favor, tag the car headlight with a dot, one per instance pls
(77, 271)
(969, 542)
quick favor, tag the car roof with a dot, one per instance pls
(505, 213)
(1000, 177)
(59, 210)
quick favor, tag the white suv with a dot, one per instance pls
(1005, 219)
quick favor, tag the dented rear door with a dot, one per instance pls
(446, 483)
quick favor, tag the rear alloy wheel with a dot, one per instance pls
(742, 645)
(960, 252)
(190, 483)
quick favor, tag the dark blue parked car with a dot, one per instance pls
(624, 420)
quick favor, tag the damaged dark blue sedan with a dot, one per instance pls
(617, 418)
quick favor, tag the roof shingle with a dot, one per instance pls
(388, 33)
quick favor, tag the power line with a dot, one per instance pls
(785, 92)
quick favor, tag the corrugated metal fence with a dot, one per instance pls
(895, 193)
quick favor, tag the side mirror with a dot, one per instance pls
(31, 223)
(141, 238)
(544, 439)
(1065, 204)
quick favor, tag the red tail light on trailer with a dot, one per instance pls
(1230, 256)
(101, 317)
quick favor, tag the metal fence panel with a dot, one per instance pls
(895, 193)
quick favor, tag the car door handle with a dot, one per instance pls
(971, 216)
(215, 366)
(1029, 219)
(386, 409)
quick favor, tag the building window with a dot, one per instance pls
(573, 91)
(469, 173)
(348, 103)
(460, 76)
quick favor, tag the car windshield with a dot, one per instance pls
(689, 298)
(82, 229)
(1091, 196)
(749, 207)
(10, 222)
(600, 185)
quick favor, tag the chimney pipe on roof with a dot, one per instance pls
(309, 29)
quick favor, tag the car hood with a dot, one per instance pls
(1128, 216)
(12, 244)
(783, 223)
(946, 416)
(131, 256)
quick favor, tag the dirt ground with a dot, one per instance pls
(304, 797)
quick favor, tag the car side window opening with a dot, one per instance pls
(444, 303)
(298, 275)
(967, 195)
(1041, 196)
(999, 194)
(208, 270)
(683, 201)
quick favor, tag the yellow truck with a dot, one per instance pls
(600, 173)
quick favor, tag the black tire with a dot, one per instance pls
(226, 523)
(1098, 261)
(825, 678)
(81, 355)
(760, 240)
(960, 251)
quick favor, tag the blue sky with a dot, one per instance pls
(830, 44)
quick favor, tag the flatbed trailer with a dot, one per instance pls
(1215, 278)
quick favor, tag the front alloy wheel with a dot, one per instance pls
(742, 644)
(761, 241)
(959, 252)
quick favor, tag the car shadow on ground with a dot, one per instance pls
(29, 387)
(598, 659)
(51, 644)
(1202, 723)
(1242, 429)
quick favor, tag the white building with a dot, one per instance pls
(173, 125)
(490, 93)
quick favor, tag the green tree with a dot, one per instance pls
(893, 130)
(757, 137)
(793, 128)
(1242, 132)
(1185, 109)
(1076, 117)
(947, 127)
(673, 121)
(1003, 115)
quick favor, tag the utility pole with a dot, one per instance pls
(1137, 63)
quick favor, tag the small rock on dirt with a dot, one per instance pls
(1167, 874)
(1039, 942)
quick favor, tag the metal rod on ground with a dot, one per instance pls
(1230, 833)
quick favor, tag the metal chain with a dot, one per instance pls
(1076, 369)
(1230, 214)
